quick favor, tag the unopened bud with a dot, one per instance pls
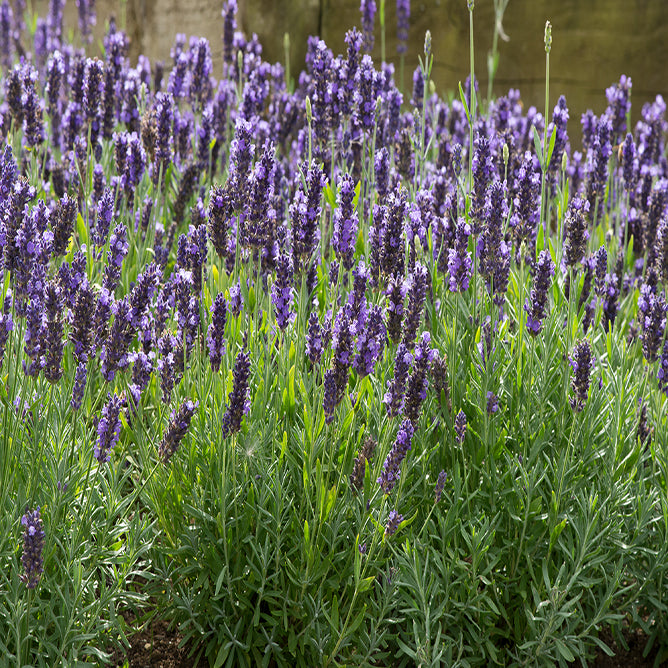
(564, 161)
(309, 113)
(506, 154)
(427, 44)
(469, 4)
(548, 36)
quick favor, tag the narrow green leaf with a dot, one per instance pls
(334, 619)
(538, 145)
(462, 96)
(564, 651)
(550, 146)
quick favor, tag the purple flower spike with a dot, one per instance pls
(394, 519)
(460, 427)
(582, 362)
(109, 427)
(238, 400)
(416, 389)
(345, 221)
(440, 486)
(577, 235)
(459, 259)
(314, 339)
(178, 426)
(215, 337)
(537, 309)
(33, 544)
(368, 11)
(392, 466)
(394, 396)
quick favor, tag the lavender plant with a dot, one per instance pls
(296, 367)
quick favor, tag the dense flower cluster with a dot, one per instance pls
(33, 545)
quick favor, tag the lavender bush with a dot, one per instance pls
(324, 372)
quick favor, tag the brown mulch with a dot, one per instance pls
(155, 647)
(158, 647)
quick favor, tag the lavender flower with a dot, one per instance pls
(201, 71)
(492, 249)
(170, 364)
(440, 486)
(483, 172)
(164, 114)
(662, 373)
(417, 292)
(459, 259)
(345, 221)
(229, 26)
(281, 290)
(105, 210)
(178, 426)
(6, 35)
(314, 339)
(33, 124)
(33, 545)
(215, 337)
(118, 249)
(370, 343)
(582, 362)
(619, 104)
(652, 319)
(537, 308)
(394, 396)
(365, 96)
(241, 155)
(79, 386)
(391, 234)
(53, 361)
(526, 204)
(236, 301)
(598, 174)
(364, 455)
(63, 224)
(438, 370)
(336, 378)
(305, 213)
(403, 16)
(259, 220)
(416, 388)
(6, 323)
(629, 164)
(357, 301)
(492, 403)
(142, 294)
(368, 11)
(610, 300)
(560, 126)
(394, 519)
(142, 368)
(392, 464)
(396, 294)
(575, 244)
(220, 208)
(238, 400)
(108, 427)
(114, 356)
(87, 18)
(460, 427)
(382, 171)
(34, 337)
